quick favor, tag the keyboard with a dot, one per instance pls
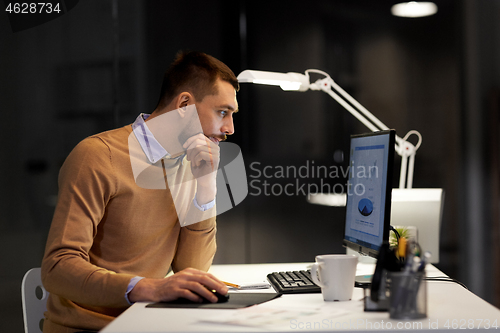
(293, 282)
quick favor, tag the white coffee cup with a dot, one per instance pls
(336, 274)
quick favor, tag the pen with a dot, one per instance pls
(231, 284)
(425, 260)
(416, 264)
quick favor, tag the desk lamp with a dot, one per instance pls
(426, 205)
(300, 82)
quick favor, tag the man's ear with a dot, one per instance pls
(184, 99)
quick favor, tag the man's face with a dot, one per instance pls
(216, 112)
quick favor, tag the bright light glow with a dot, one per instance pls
(290, 85)
(285, 85)
(268, 82)
(328, 199)
(414, 9)
(287, 81)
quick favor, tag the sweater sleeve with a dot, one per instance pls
(86, 184)
(196, 247)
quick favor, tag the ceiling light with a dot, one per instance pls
(414, 9)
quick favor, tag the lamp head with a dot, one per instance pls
(287, 81)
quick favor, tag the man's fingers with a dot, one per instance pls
(212, 283)
(199, 141)
(190, 140)
(207, 147)
(201, 284)
(189, 283)
(193, 151)
(181, 292)
(202, 291)
(204, 278)
(203, 156)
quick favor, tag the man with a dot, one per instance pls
(111, 241)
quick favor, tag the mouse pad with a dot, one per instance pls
(236, 300)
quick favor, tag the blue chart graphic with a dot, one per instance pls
(365, 207)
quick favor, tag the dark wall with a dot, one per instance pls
(439, 75)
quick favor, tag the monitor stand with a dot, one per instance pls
(362, 281)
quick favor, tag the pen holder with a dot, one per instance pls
(408, 295)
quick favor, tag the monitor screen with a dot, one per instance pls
(368, 208)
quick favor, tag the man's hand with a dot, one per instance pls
(189, 283)
(204, 157)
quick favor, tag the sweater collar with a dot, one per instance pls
(150, 146)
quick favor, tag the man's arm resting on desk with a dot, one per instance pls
(189, 283)
(196, 248)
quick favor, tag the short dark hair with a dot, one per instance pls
(194, 72)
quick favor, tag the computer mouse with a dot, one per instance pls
(220, 299)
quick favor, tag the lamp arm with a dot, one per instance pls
(325, 86)
(404, 148)
(301, 82)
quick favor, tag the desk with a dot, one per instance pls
(449, 306)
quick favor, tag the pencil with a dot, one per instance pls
(231, 284)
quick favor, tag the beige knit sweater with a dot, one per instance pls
(106, 230)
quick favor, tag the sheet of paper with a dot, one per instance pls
(251, 285)
(279, 318)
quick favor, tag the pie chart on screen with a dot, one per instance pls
(365, 207)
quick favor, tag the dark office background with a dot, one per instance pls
(90, 70)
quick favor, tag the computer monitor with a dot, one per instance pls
(368, 208)
(421, 208)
